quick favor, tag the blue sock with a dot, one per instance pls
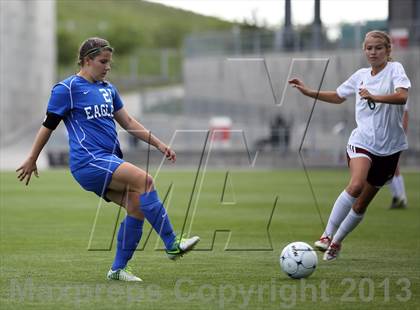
(128, 238)
(155, 213)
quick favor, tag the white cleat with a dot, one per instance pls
(182, 246)
(332, 252)
(122, 275)
(323, 243)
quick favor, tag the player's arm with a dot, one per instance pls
(131, 125)
(327, 96)
(405, 121)
(399, 97)
(44, 133)
(29, 165)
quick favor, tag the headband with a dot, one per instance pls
(96, 49)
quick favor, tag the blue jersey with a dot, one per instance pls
(88, 113)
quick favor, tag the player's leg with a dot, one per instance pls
(359, 170)
(141, 184)
(394, 186)
(95, 177)
(359, 167)
(381, 170)
(129, 234)
(148, 202)
(356, 214)
(128, 200)
(399, 197)
(351, 221)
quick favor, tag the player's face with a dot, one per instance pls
(100, 65)
(376, 51)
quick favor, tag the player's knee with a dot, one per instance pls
(359, 208)
(142, 183)
(355, 188)
(132, 201)
(149, 182)
(132, 205)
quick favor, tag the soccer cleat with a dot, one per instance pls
(182, 246)
(122, 275)
(398, 203)
(323, 243)
(332, 252)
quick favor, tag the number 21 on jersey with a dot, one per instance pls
(107, 94)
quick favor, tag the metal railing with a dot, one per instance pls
(302, 38)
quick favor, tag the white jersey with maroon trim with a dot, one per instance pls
(379, 130)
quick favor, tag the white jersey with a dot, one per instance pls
(380, 130)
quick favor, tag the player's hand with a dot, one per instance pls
(26, 170)
(169, 153)
(296, 83)
(365, 94)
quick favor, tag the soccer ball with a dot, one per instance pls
(298, 260)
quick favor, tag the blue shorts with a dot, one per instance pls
(96, 176)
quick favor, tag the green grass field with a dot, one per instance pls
(47, 229)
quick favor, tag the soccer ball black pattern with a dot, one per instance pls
(298, 260)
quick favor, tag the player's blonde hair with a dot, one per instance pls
(91, 48)
(382, 35)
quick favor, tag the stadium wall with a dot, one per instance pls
(240, 88)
